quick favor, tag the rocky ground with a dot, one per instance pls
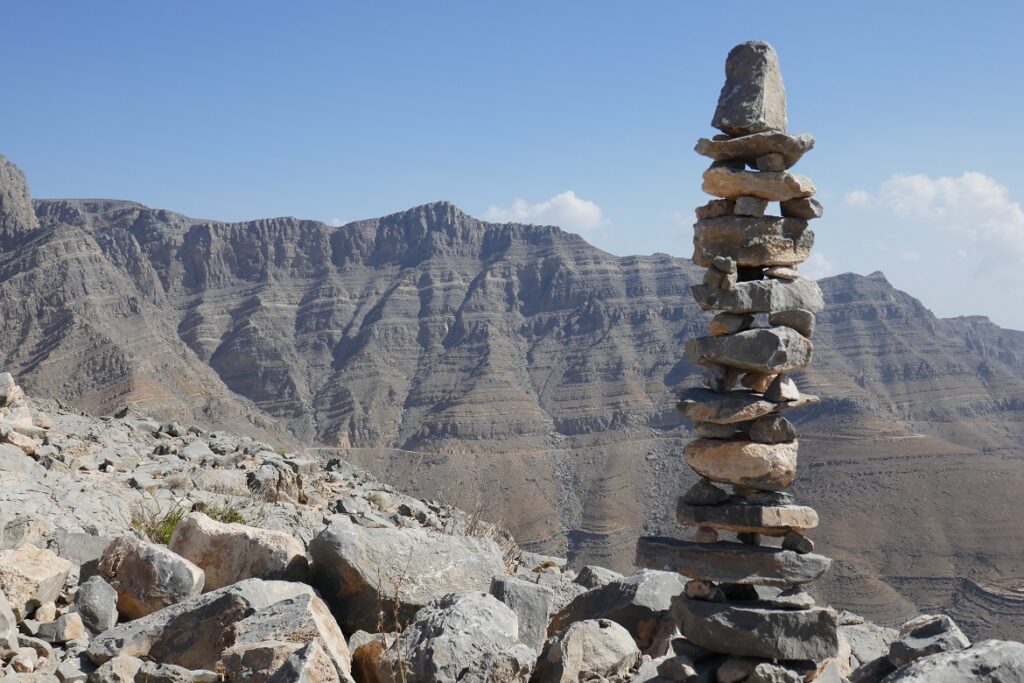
(139, 550)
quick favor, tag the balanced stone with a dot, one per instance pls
(781, 272)
(750, 206)
(730, 183)
(804, 207)
(701, 405)
(731, 562)
(753, 98)
(761, 296)
(766, 467)
(705, 493)
(751, 148)
(712, 430)
(729, 323)
(798, 319)
(716, 208)
(756, 381)
(772, 429)
(782, 388)
(742, 517)
(752, 241)
(771, 162)
(752, 631)
(765, 350)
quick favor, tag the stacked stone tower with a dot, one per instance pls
(745, 596)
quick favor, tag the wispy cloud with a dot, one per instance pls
(565, 210)
(818, 266)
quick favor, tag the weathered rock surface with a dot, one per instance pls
(990, 661)
(588, 650)
(639, 603)
(358, 568)
(737, 563)
(228, 553)
(766, 350)
(804, 207)
(736, 515)
(765, 467)
(532, 603)
(926, 635)
(752, 241)
(147, 576)
(470, 637)
(30, 576)
(8, 628)
(749, 148)
(730, 183)
(761, 296)
(753, 98)
(703, 405)
(751, 631)
(96, 601)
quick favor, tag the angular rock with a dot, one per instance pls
(799, 320)
(756, 382)
(308, 664)
(592, 576)
(228, 553)
(729, 323)
(766, 672)
(739, 516)
(761, 296)
(299, 620)
(357, 569)
(30, 576)
(764, 350)
(753, 98)
(119, 669)
(96, 602)
(805, 207)
(263, 661)
(705, 493)
(752, 241)
(195, 632)
(468, 637)
(8, 628)
(751, 631)
(716, 208)
(147, 576)
(367, 650)
(13, 459)
(765, 467)
(782, 388)
(588, 650)
(751, 148)
(798, 543)
(638, 603)
(867, 641)
(532, 603)
(990, 661)
(702, 405)
(730, 562)
(771, 162)
(772, 429)
(65, 628)
(730, 183)
(926, 635)
(720, 379)
(750, 206)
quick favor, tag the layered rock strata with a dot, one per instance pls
(744, 597)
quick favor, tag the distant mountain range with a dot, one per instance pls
(520, 371)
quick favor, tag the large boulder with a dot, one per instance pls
(390, 574)
(467, 637)
(990, 661)
(595, 649)
(96, 602)
(30, 576)
(299, 620)
(195, 632)
(532, 603)
(639, 603)
(229, 552)
(753, 98)
(926, 635)
(147, 576)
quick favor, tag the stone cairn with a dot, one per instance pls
(745, 597)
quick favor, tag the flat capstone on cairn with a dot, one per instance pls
(745, 596)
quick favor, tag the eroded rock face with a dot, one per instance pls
(147, 576)
(359, 569)
(468, 636)
(228, 553)
(17, 215)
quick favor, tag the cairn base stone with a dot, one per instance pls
(752, 631)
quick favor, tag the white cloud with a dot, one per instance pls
(973, 209)
(858, 199)
(565, 210)
(337, 222)
(818, 266)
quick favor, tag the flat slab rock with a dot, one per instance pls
(773, 186)
(765, 350)
(752, 241)
(731, 562)
(703, 405)
(748, 148)
(745, 629)
(761, 296)
(765, 467)
(734, 515)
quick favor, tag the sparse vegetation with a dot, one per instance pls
(157, 525)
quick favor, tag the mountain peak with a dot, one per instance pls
(17, 216)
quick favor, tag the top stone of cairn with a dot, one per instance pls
(753, 98)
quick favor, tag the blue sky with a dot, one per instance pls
(583, 113)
